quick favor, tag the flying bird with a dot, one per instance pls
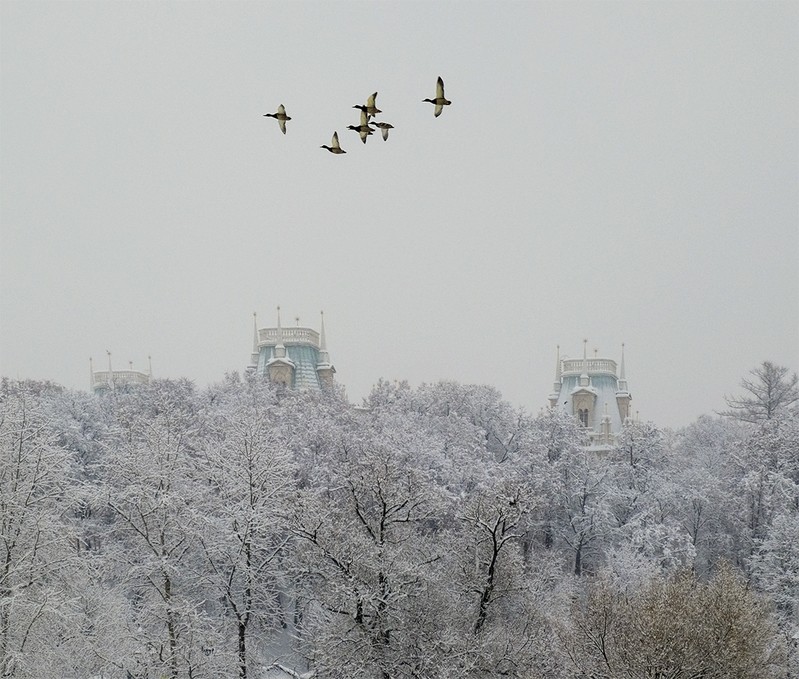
(384, 128)
(281, 117)
(364, 129)
(370, 109)
(335, 148)
(440, 101)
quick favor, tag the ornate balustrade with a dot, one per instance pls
(104, 378)
(575, 366)
(268, 336)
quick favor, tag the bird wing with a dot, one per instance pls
(439, 108)
(281, 110)
(364, 118)
(384, 130)
(282, 123)
(334, 143)
(371, 100)
(439, 88)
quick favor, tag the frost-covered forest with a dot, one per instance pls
(172, 531)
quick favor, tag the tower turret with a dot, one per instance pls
(555, 395)
(324, 368)
(623, 396)
(586, 387)
(294, 356)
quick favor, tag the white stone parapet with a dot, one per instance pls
(104, 378)
(267, 337)
(594, 366)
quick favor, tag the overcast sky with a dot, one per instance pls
(621, 172)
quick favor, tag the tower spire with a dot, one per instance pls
(585, 381)
(622, 372)
(91, 374)
(557, 364)
(255, 351)
(280, 350)
(623, 396)
(110, 372)
(324, 369)
(254, 333)
(322, 338)
(621, 369)
(556, 386)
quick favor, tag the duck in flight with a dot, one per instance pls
(364, 129)
(384, 128)
(370, 109)
(440, 101)
(334, 148)
(281, 117)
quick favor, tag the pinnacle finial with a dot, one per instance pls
(622, 372)
(322, 338)
(621, 368)
(280, 350)
(557, 383)
(254, 333)
(110, 371)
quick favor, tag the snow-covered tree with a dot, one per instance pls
(770, 390)
(581, 520)
(37, 546)
(242, 522)
(702, 473)
(154, 492)
(364, 526)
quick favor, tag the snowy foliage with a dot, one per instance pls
(240, 530)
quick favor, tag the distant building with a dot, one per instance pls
(295, 357)
(101, 381)
(591, 390)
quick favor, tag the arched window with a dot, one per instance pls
(582, 413)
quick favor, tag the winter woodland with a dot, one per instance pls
(246, 531)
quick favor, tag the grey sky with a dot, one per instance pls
(625, 172)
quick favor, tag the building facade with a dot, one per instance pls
(594, 391)
(295, 357)
(101, 381)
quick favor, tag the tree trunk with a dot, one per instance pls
(242, 651)
(170, 625)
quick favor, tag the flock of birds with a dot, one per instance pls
(368, 111)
